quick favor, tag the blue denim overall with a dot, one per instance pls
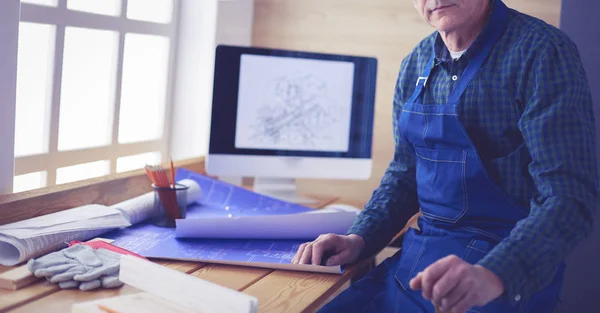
(464, 212)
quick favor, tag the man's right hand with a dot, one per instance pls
(340, 249)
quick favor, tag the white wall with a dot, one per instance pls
(9, 30)
(234, 22)
(203, 25)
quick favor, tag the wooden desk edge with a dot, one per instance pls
(349, 273)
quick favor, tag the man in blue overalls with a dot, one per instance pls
(495, 144)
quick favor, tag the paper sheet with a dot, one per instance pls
(14, 250)
(221, 199)
(301, 226)
(160, 242)
(88, 217)
(139, 209)
(58, 219)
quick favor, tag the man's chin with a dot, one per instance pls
(445, 24)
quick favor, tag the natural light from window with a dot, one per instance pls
(94, 94)
(82, 171)
(134, 162)
(87, 91)
(34, 88)
(105, 7)
(29, 181)
(143, 91)
(159, 12)
(41, 2)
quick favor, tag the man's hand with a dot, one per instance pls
(339, 249)
(456, 286)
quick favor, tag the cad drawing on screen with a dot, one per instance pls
(296, 112)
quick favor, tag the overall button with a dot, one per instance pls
(454, 78)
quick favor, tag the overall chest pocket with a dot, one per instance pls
(441, 183)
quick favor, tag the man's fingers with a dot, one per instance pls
(463, 304)
(298, 255)
(454, 296)
(417, 282)
(307, 254)
(434, 272)
(338, 259)
(318, 250)
(325, 243)
(449, 281)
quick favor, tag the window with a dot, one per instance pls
(93, 83)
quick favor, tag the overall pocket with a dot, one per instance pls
(475, 251)
(424, 251)
(441, 183)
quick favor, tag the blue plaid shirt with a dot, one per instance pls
(535, 133)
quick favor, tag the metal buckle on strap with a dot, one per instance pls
(420, 79)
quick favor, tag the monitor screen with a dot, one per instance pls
(271, 102)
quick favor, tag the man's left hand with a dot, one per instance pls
(456, 286)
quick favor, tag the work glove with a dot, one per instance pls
(108, 281)
(79, 266)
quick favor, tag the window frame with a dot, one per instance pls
(61, 17)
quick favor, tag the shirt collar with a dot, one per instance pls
(441, 51)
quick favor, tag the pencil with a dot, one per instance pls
(106, 309)
(172, 173)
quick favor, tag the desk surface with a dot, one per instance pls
(276, 290)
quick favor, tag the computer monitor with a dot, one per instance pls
(280, 115)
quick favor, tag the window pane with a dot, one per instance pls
(42, 2)
(87, 95)
(29, 181)
(158, 11)
(82, 171)
(144, 88)
(34, 88)
(134, 162)
(106, 7)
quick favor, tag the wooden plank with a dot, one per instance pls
(290, 291)
(17, 278)
(106, 190)
(234, 277)
(48, 298)
(12, 298)
(133, 303)
(186, 290)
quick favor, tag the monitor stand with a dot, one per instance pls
(282, 189)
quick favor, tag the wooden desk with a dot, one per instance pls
(276, 290)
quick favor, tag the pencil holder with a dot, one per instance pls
(170, 204)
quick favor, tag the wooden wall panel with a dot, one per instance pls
(386, 29)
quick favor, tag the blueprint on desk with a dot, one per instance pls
(230, 212)
(221, 199)
(160, 242)
(228, 204)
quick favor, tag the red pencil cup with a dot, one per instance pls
(170, 204)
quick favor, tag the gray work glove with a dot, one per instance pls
(89, 267)
(108, 281)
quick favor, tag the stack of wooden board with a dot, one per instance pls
(168, 291)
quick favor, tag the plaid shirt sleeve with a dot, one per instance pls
(395, 200)
(559, 131)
